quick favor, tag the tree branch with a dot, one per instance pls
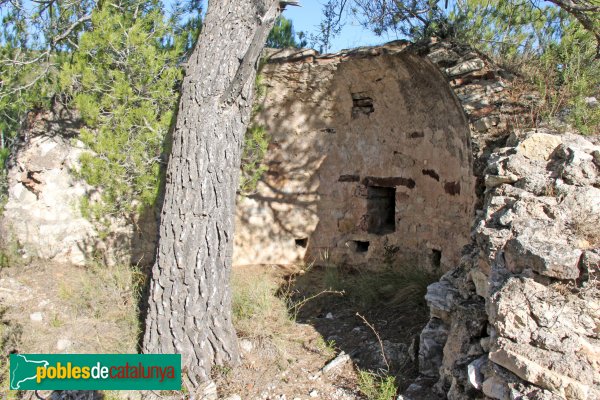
(253, 53)
(587, 13)
(70, 29)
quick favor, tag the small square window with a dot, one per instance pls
(358, 246)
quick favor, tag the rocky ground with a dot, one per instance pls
(300, 337)
(60, 308)
(341, 327)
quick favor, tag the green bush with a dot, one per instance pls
(567, 74)
(256, 143)
(376, 386)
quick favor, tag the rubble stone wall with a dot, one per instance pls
(42, 215)
(519, 317)
(369, 162)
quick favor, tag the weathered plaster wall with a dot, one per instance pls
(369, 162)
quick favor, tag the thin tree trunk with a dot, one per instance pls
(190, 300)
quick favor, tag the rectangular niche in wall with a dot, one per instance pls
(301, 242)
(436, 258)
(362, 104)
(358, 246)
(381, 209)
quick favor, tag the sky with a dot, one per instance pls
(307, 18)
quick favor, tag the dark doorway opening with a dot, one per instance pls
(436, 258)
(381, 209)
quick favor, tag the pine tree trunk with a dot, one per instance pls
(190, 300)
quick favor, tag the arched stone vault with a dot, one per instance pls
(369, 162)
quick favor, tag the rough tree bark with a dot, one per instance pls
(190, 301)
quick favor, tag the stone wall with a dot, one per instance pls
(42, 211)
(369, 162)
(520, 316)
(43, 215)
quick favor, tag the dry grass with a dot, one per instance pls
(284, 354)
(391, 299)
(95, 307)
(10, 334)
(265, 301)
(586, 228)
(402, 289)
(106, 297)
(257, 311)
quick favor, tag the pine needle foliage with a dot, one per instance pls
(553, 53)
(256, 144)
(124, 81)
(283, 35)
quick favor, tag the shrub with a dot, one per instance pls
(256, 144)
(376, 386)
(567, 74)
(548, 48)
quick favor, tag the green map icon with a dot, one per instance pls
(23, 368)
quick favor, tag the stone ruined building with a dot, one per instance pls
(372, 154)
(369, 162)
(412, 154)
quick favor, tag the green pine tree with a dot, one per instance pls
(283, 36)
(124, 81)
